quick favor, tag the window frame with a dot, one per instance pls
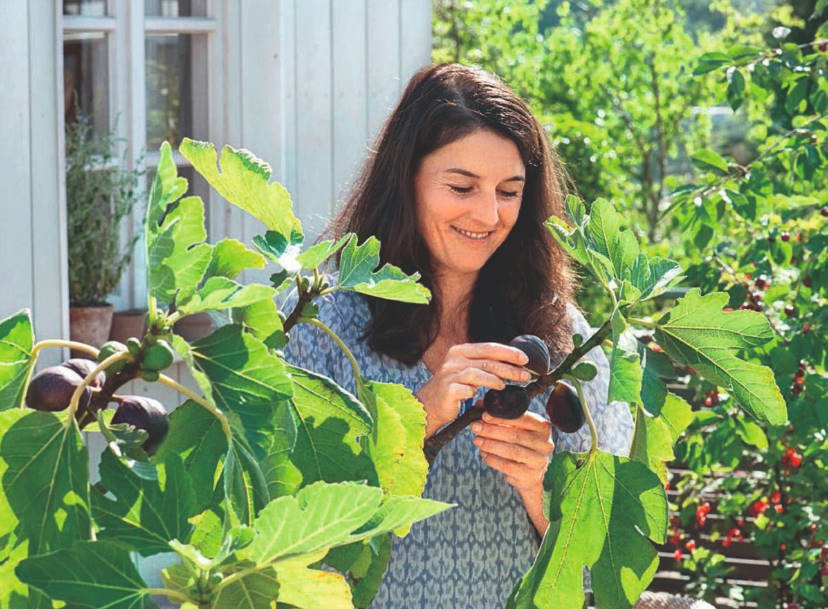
(126, 28)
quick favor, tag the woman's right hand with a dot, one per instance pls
(466, 367)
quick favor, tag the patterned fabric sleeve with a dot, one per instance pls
(613, 421)
(311, 348)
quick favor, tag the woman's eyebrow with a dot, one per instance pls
(469, 174)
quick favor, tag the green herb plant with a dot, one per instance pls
(269, 471)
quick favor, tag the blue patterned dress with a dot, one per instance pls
(471, 556)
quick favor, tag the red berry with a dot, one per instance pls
(761, 282)
(779, 508)
(824, 551)
(748, 276)
(708, 402)
(776, 497)
(812, 527)
(785, 236)
(783, 546)
(678, 554)
(790, 311)
(806, 327)
(740, 522)
(690, 545)
(727, 542)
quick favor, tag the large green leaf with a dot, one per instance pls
(696, 332)
(244, 182)
(44, 470)
(230, 257)
(356, 272)
(396, 445)
(655, 436)
(324, 425)
(262, 319)
(244, 376)
(224, 293)
(176, 255)
(324, 515)
(256, 590)
(306, 588)
(16, 342)
(91, 574)
(144, 514)
(197, 436)
(601, 512)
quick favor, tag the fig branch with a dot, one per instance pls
(547, 380)
(306, 295)
(64, 344)
(593, 432)
(76, 396)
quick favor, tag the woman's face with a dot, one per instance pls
(468, 197)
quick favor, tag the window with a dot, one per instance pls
(140, 68)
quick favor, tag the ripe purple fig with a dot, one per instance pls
(51, 389)
(508, 403)
(564, 408)
(83, 367)
(147, 414)
(535, 349)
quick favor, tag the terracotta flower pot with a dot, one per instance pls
(90, 325)
(193, 327)
(129, 323)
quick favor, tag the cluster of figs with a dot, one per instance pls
(563, 407)
(52, 388)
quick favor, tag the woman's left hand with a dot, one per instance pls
(518, 448)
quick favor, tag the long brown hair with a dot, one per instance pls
(525, 285)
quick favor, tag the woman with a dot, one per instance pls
(457, 189)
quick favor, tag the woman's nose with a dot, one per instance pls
(486, 209)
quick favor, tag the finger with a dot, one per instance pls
(528, 420)
(512, 452)
(461, 391)
(495, 351)
(538, 441)
(479, 378)
(505, 466)
(502, 370)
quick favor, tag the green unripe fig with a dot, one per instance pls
(110, 348)
(134, 346)
(507, 403)
(563, 407)
(158, 356)
(147, 414)
(83, 367)
(150, 376)
(51, 389)
(535, 349)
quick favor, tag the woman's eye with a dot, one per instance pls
(510, 194)
(460, 189)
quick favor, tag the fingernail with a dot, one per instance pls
(525, 376)
(477, 441)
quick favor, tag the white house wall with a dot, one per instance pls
(32, 208)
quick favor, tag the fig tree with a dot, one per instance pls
(52, 388)
(508, 403)
(84, 367)
(564, 408)
(147, 414)
(535, 349)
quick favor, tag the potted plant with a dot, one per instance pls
(100, 194)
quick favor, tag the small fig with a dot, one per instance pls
(564, 408)
(134, 346)
(150, 376)
(109, 349)
(535, 349)
(508, 403)
(52, 388)
(147, 414)
(158, 356)
(84, 367)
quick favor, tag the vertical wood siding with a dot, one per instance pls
(316, 80)
(33, 243)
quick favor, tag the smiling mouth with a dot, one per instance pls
(472, 235)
